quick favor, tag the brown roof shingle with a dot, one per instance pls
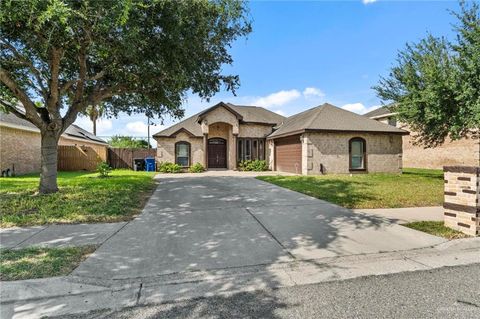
(249, 114)
(328, 117)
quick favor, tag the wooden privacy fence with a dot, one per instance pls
(123, 157)
(80, 158)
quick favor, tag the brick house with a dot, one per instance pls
(20, 143)
(465, 151)
(324, 139)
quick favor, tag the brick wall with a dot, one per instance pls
(452, 153)
(20, 150)
(462, 197)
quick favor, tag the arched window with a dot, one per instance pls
(182, 153)
(357, 149)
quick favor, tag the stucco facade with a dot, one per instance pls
(166, 148)
(331, 150)
(217, 123)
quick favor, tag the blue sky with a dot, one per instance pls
(302, 54)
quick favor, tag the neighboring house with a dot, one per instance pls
(465, 151)
(324, 139)
(20, 143)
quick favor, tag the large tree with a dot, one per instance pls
(136, 56)
(435, 85)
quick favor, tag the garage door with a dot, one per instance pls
(288, 154)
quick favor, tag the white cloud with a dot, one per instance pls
(311, 91)
(103, 125)
(359, 108)
(277, 99)
(282, 113)
(368, 1)
(137, 128)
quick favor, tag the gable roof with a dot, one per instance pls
(328, 117)
(245, 114)
(381, 111)
(73, 131)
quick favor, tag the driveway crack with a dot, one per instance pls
(270, 233)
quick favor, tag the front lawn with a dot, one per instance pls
(413, 188)
(436, 229)
(30, 263)
(83, 197)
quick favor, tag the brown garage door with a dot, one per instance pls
(288, 154)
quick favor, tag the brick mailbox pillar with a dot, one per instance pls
(462, 197)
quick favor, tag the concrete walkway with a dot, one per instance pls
(214, 223)
(58, 235)
(406, 215)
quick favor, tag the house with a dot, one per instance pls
(324, 139)
(20, 143)
(465, 151)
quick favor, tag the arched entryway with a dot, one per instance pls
(217, 153)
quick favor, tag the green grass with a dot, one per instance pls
(82, 197)
(415, 187)
(30, 263)
(436, 229)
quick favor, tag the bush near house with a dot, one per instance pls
(253, 165)
(82, 198)
(167, 167)
(196, 168)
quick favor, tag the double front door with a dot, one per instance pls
(217, 153)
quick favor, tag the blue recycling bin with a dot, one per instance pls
(150, 164)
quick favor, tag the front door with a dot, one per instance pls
(217, 153)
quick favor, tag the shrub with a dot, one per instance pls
(196, 168)
(167, 167)
(253, 165)
(103, 169)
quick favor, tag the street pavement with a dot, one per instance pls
(449, 292)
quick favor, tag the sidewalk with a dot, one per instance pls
(72, 294)
(58, 235)
(406, 215)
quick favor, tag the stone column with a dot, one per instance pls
(205, 149)
(462, 197)
(235, 150)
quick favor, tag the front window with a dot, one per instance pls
(250, 149)
(182, 154)
(357, 154)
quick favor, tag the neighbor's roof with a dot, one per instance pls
(246, 114)
(327, 117)
(73, 131)
(381, 111)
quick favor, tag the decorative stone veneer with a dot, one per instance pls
(166, 148)
(462, 197)
(384, 152)
(254, 130)
(225, 131)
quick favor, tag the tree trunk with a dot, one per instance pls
(49, 153)
(95, 127)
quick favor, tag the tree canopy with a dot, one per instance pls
(133, 56)
(127, 142)
(435, 85)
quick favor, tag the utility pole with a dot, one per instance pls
(148, 132)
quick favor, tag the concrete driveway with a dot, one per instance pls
(214, 223)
